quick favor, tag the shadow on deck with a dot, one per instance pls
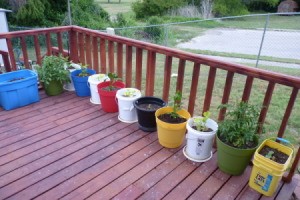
(65, 147)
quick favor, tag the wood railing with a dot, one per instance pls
(136, 59)
(5, 60)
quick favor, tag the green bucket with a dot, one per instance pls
(54, 88)
(232, 160)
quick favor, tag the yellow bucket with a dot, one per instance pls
(171, 135)
(267, 173)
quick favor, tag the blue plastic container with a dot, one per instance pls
(81, 83)
(18, 88)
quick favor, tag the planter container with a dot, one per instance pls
(199, 144)
(266, 173)
(70, 86)
(81, 83)
(146, 117)
(127, 111)
(54, 88)
(171, 135)
(108, 98)
(93, 81)
(233, 160)
(18, 93)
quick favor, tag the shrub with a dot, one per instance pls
(147, 8)
(156, 33)
(229, 8)
(88, 14)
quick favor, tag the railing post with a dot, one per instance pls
(262, 39)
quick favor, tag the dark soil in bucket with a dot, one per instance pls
(15, 79)
(169, 119)
(208, 129)
(149, 106)
(109, 89)
(273, 154)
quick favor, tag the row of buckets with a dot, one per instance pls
(266, 174)
(126, 109)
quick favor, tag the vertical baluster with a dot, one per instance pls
(48, 43)
(194, 86)
(88, 52)
(209, 89)
(60, 43)
(167, 77)
(6, 63)
(37, 48)
(139, 64)
(73, 46)
(102, 55)
(226, 94)
(288, 112)
(95, 54)
(111, 61)
(180, 77)
(24, 51)
(128, 65)
(81, 48)
(11, 56)
(266, 103)
(151, 62)
(120, 60)
(247, 89)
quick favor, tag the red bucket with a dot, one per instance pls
(108, 98)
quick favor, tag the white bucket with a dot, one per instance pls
(70, 86)
(127, 111)
(199, 144)
(93, 81)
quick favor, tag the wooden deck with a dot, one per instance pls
(65, 147)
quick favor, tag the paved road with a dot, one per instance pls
(281, 44)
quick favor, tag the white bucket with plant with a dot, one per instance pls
(126, 98)
(200, 137)
(93, 81)
(71, 67)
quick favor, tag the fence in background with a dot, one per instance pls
(252, 39)
(256, 40)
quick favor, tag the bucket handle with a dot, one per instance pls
(129, 109)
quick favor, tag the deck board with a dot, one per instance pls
(65, 147)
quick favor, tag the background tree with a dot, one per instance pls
(147, 8)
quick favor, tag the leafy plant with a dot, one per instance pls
(239, 129)
(113, 78)
(176, 104)
(129, 92)
(84, 71)
(53, 69)
(200, 122)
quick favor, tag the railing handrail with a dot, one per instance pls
(10, 35)
(283, 79)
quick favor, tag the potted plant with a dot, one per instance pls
(53, 74)
(200, 137)
(271, 160)
(237, 137)
(171, 123)
(107, 92)
(126, 97)
(71, 67)
(93, 82)
(145, 109)
(80, 80)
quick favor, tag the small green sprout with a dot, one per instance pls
(200, 122)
